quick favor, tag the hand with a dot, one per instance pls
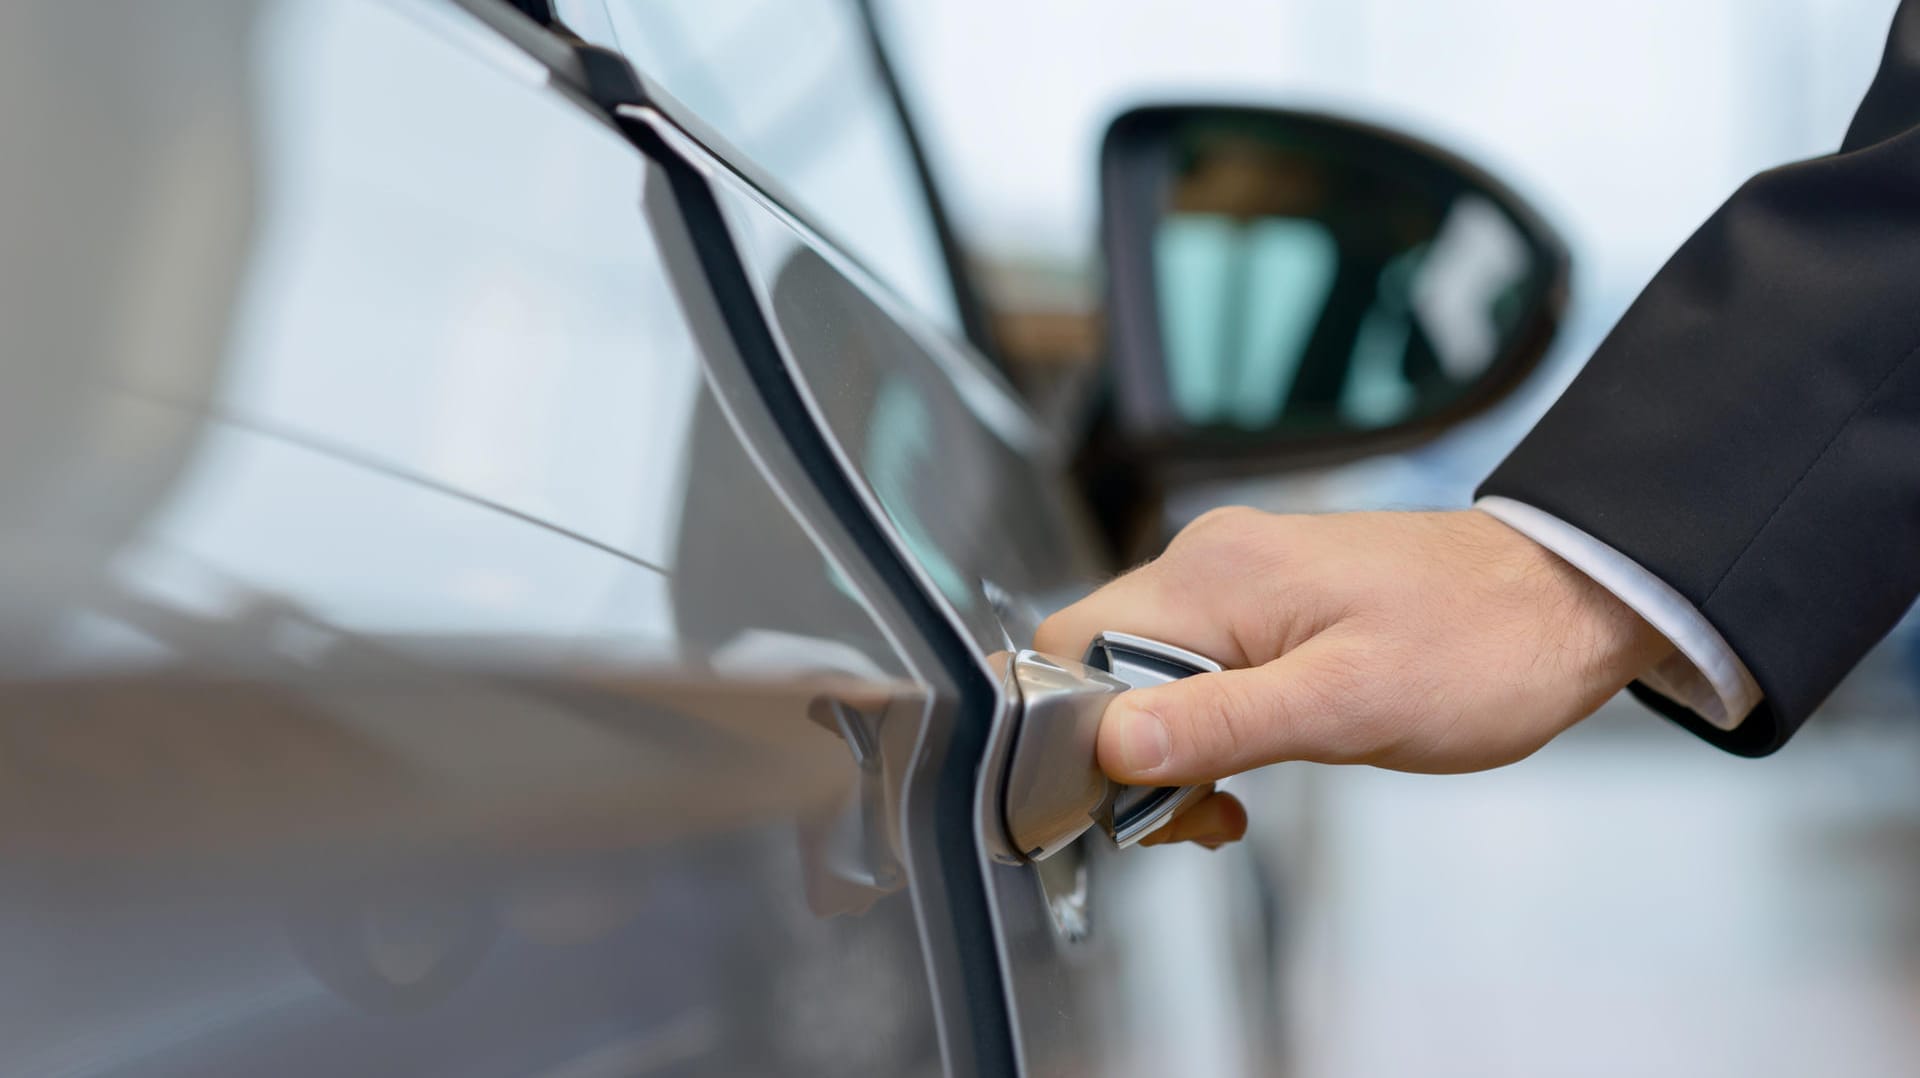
(1437, 642)
(1212, 820)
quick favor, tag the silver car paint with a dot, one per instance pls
(421, 652)
(974, 493)
(412, 665)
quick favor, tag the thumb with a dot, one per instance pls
(1210, 726)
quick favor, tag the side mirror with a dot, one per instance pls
(1289, 289)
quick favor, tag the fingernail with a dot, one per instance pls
(1144, 744)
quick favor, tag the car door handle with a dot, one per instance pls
(1053, 789)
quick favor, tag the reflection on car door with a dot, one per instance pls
(971, 495)
(421, 654)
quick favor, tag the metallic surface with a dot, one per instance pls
(969, 487)
(424, 650)
(973, 493)
(1140, 661)
(1054, 786)
(950, 461)
(1054, 789)
(412, 662)
(1131, 813)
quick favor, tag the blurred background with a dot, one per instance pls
(1629, 900)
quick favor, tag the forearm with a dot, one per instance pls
(1750, 431)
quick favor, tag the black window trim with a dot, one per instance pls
(966, 295)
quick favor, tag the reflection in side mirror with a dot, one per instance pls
(1291, 288)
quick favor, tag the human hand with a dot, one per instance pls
(1435, 642)
(1211, 820)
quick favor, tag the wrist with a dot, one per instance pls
(1606, 642)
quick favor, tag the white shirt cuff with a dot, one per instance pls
(1703, 673)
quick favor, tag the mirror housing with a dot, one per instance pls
(1288, 289)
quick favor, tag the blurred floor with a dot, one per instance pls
(1627, 902)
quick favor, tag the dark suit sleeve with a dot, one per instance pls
(1750, 431)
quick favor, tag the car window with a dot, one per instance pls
(793, 85)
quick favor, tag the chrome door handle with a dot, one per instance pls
(1053, 789)
(1137, 811)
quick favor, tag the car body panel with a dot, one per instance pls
(418, 657)
(435, 644)
(972, 493)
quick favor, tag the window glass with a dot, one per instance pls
(793, 85)
(1233, 358)
(1245, 302)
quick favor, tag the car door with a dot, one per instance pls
(804, 201)
(427, 646)
(970, 494)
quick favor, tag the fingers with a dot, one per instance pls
(1146, 603)
(1237, 585)
(1213, 821)
(1301, 706)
